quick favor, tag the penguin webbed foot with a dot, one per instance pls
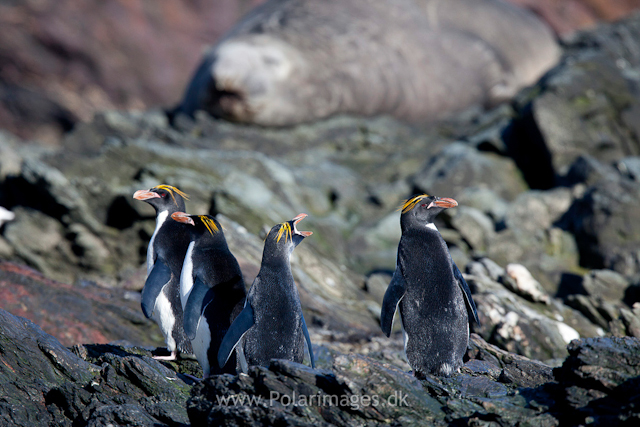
(172, 356)
(193, 378)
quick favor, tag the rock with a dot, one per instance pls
(630, 167)
(526, 285)
(587, 170)
(601, 379)
(531, 237)
(44, 383)
(6, 215)
(332, 296)
(607, 284)
(459, 166)
(476, 228)
(485, 200)
(84, 313)
(589, 307)
(356, 390)
(538, 331)
(586, 106)
(603, 223)
(39, 240)
(567, 16)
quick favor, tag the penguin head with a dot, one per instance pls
(421, 211)
(200, 226)
(284, 237)
(163, 198)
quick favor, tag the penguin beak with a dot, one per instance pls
(296, 220)
(145, 195)
(183, 218)
(444, 202)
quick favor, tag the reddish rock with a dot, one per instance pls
(75, 314)
(566, 16)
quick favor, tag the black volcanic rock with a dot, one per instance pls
(44, 383)
(601, 379)
(357, 390)
(605, 223)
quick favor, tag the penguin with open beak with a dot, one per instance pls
(212, 290)
(427, 287)
(271, 325)
(165, 254)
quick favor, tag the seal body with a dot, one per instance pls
(434, 300)
(293, 61)
(271, 325)
(212, 290)
(165, 254)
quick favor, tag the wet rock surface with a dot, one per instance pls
(45, 383)
(551, 252)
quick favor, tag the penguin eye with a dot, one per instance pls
(424, 205)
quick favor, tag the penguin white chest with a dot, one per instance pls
(186, 275)
(161, 218)
(163, 315)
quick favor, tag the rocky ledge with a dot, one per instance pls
(45, 383)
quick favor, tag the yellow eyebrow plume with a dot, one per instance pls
(172, 190)
(411, 203)
(209, 223)
(285, 228)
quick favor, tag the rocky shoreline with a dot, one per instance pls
(45, 383)
(546, 232)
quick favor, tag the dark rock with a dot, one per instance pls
(43, 383)
(33, 363)
(604, 224)
(361, 391)
(607, 284)
(589, 105)
(587, 170)
(601, 380)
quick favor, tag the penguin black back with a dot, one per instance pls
(272, 325)
(212, 290)
(434, 300)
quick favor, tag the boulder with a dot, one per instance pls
(601, 381)
(459, 166)
(44, 383)
(604, 224)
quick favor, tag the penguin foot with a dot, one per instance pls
(172, 356)
(191, 377)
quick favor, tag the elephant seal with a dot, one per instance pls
(294, 61)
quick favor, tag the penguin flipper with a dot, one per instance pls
(392, 298)
(471, 306)
(198, 299)
(159, 276)
(308, 340)
(238, 328)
